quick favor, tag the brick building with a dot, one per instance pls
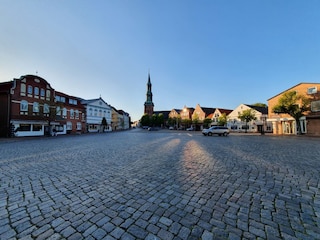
(28, 107)
(70, 114)
(310, 123)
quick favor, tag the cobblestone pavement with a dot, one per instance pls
(160, 185)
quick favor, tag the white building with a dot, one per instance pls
(96, 110)
(260, 124)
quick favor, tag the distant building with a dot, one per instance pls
(96, 110)
(148, 105)
(258, 125)
(70, 115)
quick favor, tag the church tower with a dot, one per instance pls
(148, 105)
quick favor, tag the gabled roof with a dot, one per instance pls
(226, 111)
(207, 110)
(177, 110)
(291, 88)
(165, 113)
(88, 101)
(263, 110)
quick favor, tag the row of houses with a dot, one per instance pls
(30, 106)
(266, 120)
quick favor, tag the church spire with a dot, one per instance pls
(148, 105)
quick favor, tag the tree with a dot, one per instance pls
(247, 116)
(145, 120)
(222, 119)
(207, 122)
(260, 105)
(104, 123)
(160, 120)
(195, 120)
(293, 104)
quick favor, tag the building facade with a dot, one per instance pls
(286, 124)
(70, 115)
(259, 125)
(96, 111)
(30, 109)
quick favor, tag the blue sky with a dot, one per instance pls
(215, 53)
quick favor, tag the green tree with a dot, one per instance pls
(145, 120)
(260, 105)
(293, 104)
(247, 116)
(207, 122)
(160, 119)
(104, 123)
(154, 119)
(222, 119)
(195, 120)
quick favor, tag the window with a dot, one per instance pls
(58, 111)
(77, 114)
(48, 95)
(73, 101)
(36, 127)
(95, 112)
(29, 90)
(42, 93)
(64, 113)
(79, 127)
(90, 112)
(71, 113)
(36, 92)
(23, 89)
(58, 99)
(46, 108)
(35, 107)
(69, 125)
(24, 128)
(100, 113)
(24, 106)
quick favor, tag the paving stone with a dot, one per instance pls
(245, 186)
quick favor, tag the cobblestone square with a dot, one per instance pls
(160, 185)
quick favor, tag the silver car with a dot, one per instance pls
(219, 130)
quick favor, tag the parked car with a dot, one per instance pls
(190, 129)
(219, 130)
(171, 128)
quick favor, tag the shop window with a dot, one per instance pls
(36, 127)
(24, 128)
